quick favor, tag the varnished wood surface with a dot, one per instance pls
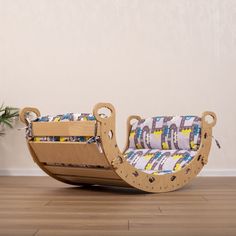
(42, 206)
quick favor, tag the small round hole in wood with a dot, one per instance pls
(151, 179)
(31, 116)
(209, 119)
(104, 112)
(110, 134)
(199, 158)
(173, 178)
(187, 171)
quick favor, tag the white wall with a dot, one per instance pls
(146, 57)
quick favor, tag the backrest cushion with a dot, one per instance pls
(166, 133)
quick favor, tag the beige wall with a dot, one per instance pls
(146, 57)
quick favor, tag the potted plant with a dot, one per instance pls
(7, 116)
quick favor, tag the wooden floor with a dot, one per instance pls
(42, 206)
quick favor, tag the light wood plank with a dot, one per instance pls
(70, 128)
(69, 153)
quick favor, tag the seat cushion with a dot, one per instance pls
(66, 117)
(156, 161)
(166, 133)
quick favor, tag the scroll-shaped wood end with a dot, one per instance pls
(25, 111)
(104, 111)
(209, 115)
(132, 118)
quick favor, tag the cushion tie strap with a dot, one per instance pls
(217, 142)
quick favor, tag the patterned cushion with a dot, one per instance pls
(166, 133)
(66, 117)
(156, 161)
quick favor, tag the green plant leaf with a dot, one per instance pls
(7, 114)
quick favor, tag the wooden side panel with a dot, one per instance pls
(83, 172)
(138, 178)
(70, 128)
(68, 153)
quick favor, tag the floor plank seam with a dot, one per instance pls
(207, 200)
(36, 232)
(128, 225)
(47, 203)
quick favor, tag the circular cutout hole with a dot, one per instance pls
(209, 119)
(104, 112)
(110, 134)
(31, 116)
(133, 121)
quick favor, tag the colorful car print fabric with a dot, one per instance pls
(156, 161)
(64, 118)
(166, 133)
(163, 144)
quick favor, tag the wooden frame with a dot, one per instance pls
(82, 163)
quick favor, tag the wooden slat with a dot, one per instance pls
(69, 153)
(70, 128)
(92, 180)
(83, 172)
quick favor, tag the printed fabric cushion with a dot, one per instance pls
(166, 133)
(66, 117)
(156, 161)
